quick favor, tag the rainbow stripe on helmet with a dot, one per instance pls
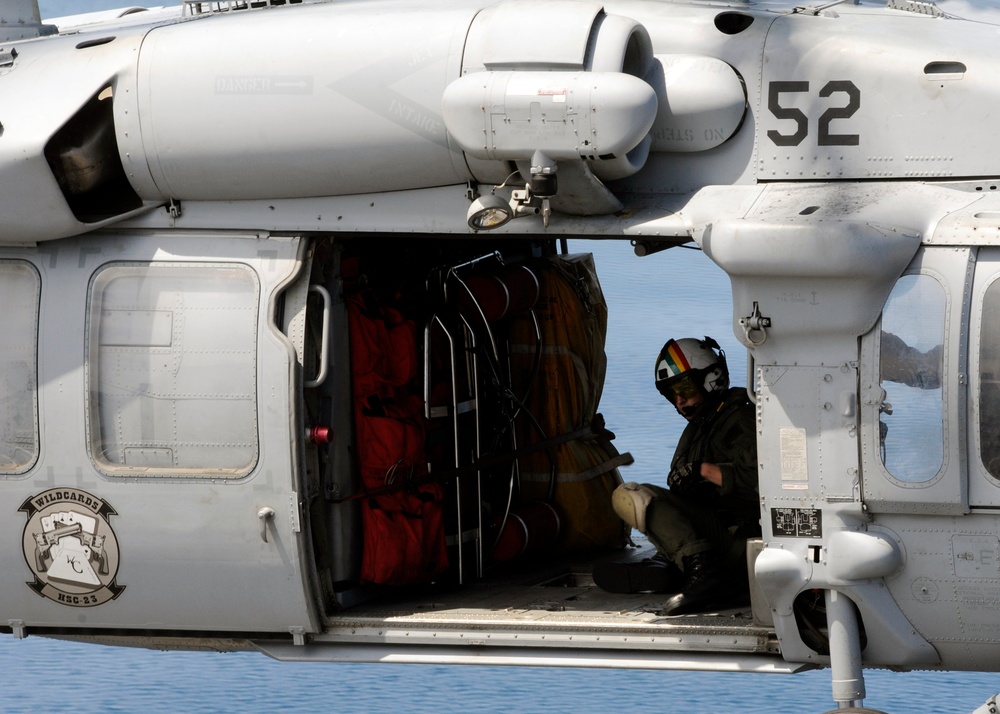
(673, 363)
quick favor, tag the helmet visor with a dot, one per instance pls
(683, 386)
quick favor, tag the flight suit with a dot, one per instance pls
(695, 515)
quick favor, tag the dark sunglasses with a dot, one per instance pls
(683, 386)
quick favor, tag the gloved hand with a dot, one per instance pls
(685, 476)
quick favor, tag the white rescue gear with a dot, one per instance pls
(630, 501)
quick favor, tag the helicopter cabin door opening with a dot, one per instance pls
(464, 437)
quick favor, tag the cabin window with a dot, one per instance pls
(989, 380)
(172, 370)
(911, 364)
(19, 285)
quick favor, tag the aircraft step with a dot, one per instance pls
(565, 621)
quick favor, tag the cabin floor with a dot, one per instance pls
(546, 613)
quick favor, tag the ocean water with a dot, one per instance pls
(40, 676)
(677, 293)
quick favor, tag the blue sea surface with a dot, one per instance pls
(44, 675)
(677, 293)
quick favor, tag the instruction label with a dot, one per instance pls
(797, 522)
(794, 461)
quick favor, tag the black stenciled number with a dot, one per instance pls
(775, 90)
(825, 138)
(845, 112)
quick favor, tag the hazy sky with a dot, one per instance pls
(60, 8)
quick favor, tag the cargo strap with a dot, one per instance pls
(595, 429)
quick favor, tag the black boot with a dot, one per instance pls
(656, 574)
(706, 587)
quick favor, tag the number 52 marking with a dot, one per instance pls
(824, 136)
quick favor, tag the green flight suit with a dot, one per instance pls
(695, 515)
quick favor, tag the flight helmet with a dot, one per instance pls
(688, 366)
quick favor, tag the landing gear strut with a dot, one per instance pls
(845, 654)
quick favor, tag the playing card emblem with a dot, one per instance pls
(70, 547)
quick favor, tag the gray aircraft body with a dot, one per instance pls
(279, 287)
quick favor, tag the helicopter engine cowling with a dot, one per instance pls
(568, 115)
(358, 103)
(580, 94)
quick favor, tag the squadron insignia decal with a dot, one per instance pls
(70, 547)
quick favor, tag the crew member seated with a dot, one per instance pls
(701, 523)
